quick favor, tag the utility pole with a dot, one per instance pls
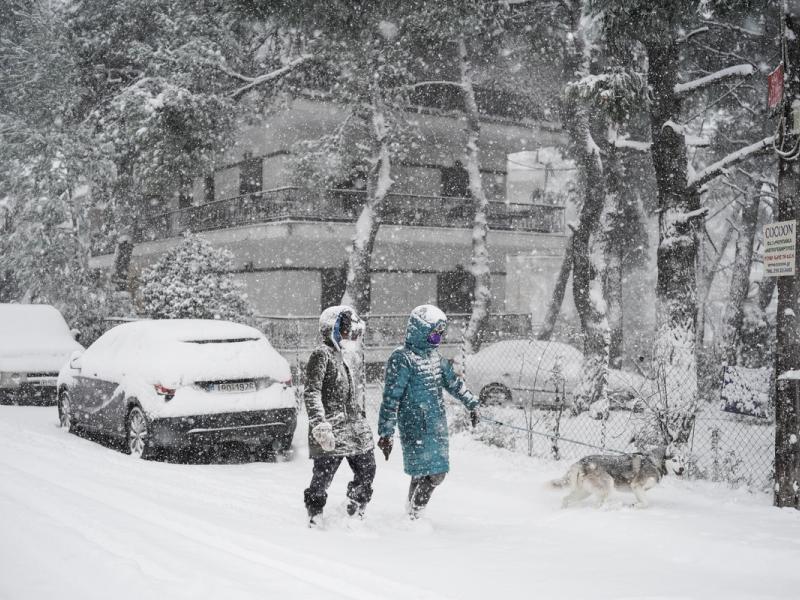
(787, 352)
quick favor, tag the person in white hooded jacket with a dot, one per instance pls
(337, 422)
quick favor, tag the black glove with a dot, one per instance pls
(385, 444)
(474, 417)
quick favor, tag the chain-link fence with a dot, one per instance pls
(528, 395)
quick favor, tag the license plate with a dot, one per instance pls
(234, 386)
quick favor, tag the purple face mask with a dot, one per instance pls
(435, 336)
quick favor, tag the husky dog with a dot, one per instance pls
(638, 472)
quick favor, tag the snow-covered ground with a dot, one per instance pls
(81, 520)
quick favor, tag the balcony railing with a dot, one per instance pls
(345, 205)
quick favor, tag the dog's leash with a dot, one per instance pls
(549, 435)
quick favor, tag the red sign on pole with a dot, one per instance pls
(775, 87)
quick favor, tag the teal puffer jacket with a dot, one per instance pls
(413, 401)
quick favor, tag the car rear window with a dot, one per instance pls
(226, 341)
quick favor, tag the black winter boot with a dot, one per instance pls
(315, 502)
(359, 496)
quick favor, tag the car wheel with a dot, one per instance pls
(495, 394)
(65, 418)
(137, 433)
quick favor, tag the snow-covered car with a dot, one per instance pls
(35, 341)
(519, 371)
(181, 384)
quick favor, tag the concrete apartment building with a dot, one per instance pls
(290, 247)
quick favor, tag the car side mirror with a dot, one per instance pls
(75, 360)
(76, 334)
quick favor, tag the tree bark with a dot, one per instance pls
(588, 269)
(613, 295)
(678, 243)
(122, 263)
(619, 196)
(740, 278)
(553, 310)
(787, 352)
(358, 289)
(124, 223)
(479, 262)
(766, 289)
(706, 280)
(79, 212)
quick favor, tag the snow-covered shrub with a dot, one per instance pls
(193, 281)
(488, 431)
(756, 338)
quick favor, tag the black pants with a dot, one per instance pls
(420, 491)
(359, 490)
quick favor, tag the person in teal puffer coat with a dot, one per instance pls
(413, 402)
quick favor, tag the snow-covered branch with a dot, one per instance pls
(683, 218)
(266, 77)
(733, 28)
(632, 144)
(420, 84)
(692, 33)
(744, 70)
(740, 155)
(628, 144)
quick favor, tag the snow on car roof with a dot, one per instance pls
(32, 320)
(165, 351)
(33, 337)
(190, 330)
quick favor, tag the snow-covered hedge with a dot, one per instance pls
(193, 280)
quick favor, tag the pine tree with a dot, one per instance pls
(193, 280)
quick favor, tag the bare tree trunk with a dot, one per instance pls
(551, 318)
(587, 261)
(613, 295)
(679, 211)
(740, 278)
(618, 198)
(358, 290)
(706, 280)
(766, 290)
(122, 263)
(479, 263)
(78, 215)
(124, 222)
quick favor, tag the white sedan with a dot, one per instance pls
(181, 384)
(541, 373)
(35, 341)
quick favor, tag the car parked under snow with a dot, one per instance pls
(520, 371)
(181, 384)
(34, 342)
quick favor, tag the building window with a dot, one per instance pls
(333, 285)
(250, 176)
(208, 189)
(540, 176)
(454, 290)
(455, 181)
